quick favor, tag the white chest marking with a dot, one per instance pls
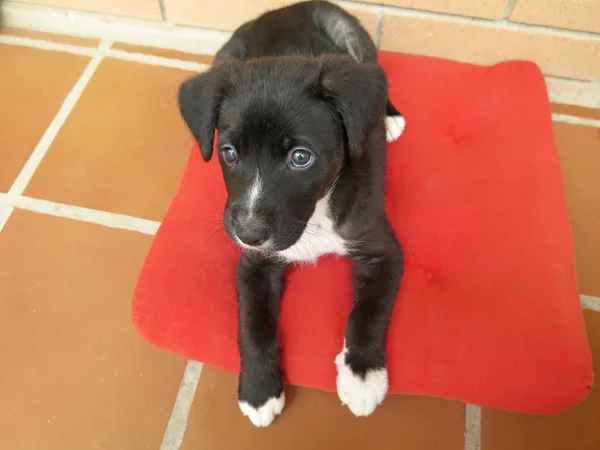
(319, 237)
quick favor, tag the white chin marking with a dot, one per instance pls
(360, 395)
(264, 415)
(394, 126)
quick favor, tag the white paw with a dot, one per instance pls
(360, 395)
(264, 415)
(394, 126)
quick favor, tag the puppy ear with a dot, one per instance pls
(200, 100)
(358, 92)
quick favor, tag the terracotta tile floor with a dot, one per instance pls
(77, 376)
(134, 168)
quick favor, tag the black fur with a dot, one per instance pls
(305, 76)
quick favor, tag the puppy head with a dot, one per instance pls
(286, 128)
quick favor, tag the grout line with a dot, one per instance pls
(119, 54)
(575, 120)
(5, 212)
(590, 302)
(472, 427)
(157, 60)
(379, 29)
(104, 218)
(181, 410)
(6, 209)
(447, 17)
(47, 45)
(572, 80)
(40, 150)
(510, 6)
(572, 91)
(163, 10)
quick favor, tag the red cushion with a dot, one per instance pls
(488, 311)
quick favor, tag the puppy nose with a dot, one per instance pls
(253, 234)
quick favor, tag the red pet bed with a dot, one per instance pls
(488, 311)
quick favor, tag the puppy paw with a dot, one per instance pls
(264, 415)
(394, 126)
(360, 394)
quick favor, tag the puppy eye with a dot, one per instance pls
(301, 158)
(229, 154)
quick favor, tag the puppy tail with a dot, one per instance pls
(344, 30)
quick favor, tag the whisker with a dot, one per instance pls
(213, 234)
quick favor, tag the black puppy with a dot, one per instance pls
(300, 105)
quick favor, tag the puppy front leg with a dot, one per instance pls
(259, 284)
(362, 379)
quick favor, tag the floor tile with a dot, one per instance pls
(474, 42)
(575, 15)
(576, 429)
(490, 9)
(33, 86)
(50, 37)
(164, 53)
(142, 9)
(75, 374)
(586, 113)
(315, 420)
(579, 150)
(124, 146)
